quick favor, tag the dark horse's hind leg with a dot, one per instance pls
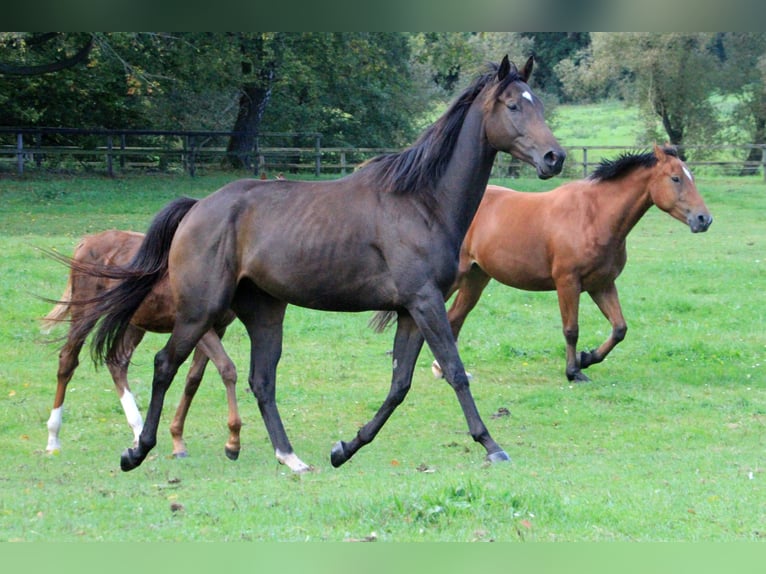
(407, 344)
(263, 316)
(166, 363)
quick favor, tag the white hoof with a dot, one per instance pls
(292, 461)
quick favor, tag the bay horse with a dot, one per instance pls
(386, 237)
(572, 239)
(156, 314)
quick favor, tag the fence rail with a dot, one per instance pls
(272, 153)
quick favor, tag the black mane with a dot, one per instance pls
(421, 165)
(610, 169)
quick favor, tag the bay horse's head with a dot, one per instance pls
(674, 191)
(514, 121)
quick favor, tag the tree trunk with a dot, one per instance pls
(755, 154)
(252, 103)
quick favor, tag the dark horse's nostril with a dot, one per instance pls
(554, 159)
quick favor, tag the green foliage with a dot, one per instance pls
(666, 442)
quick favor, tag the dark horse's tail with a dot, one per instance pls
(116, 306)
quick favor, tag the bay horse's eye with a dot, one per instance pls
(514, 107)
(675, 178)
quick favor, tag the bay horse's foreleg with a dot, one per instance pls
(432, 321)
(119, 372)
(263, 317)
(608, 302)
(470, 285)
(408, 342)
(569, 304)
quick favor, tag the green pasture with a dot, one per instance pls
(667, 443)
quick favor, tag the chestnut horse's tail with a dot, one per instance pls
(60, 311)
(116, 306)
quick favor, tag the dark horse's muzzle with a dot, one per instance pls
(553, 162)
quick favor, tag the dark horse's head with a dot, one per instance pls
(515, 123)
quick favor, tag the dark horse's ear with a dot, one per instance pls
(506, 67)
(528, 69)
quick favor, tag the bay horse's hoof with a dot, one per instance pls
(128, 460)
(499, 456)
(231, 454)
(338, 454)
(181, 454)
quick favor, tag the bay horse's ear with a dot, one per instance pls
(505, 68)
(528, 69)
(659, 153)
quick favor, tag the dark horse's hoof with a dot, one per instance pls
(338, 454)
(499, 456)
(231, 454)
(128, 460)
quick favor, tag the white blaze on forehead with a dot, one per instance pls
(528, 96)
(687, 172)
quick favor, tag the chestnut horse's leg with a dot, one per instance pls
(470, 286)
(609, 303)
(408, 342)
(193, 380)
(68, 361)
(263, 317)
(119, 372)
(209, 346)
(569, 304)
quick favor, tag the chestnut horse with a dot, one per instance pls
(384, 237)
(572, 239)
(156, 314)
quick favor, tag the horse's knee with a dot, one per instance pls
(571, 333)
(228, 373)
(619, 332)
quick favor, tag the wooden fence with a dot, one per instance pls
(122, 151)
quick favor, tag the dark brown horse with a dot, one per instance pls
(155, 314)
(572, 239)
(385, 237)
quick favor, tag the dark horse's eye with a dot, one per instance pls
(513, 107)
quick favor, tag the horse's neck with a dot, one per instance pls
(462, 186)
(626, 202)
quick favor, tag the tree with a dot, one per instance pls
(744, 56)
(669, 76)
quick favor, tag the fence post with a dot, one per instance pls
(584, 162)
(763, 161)
(122, 152)
(109, 167)
(318, 148)
(20, 153)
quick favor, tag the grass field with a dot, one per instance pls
(666, 442)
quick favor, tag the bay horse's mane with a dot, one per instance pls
(421, 165)
(611, 169)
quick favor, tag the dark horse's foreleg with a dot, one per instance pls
(407, 344)
(432, 321)
(429, 317)
(263, 317)
(609, 304)
(470, 285)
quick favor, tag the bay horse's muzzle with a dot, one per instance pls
(700, 222)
